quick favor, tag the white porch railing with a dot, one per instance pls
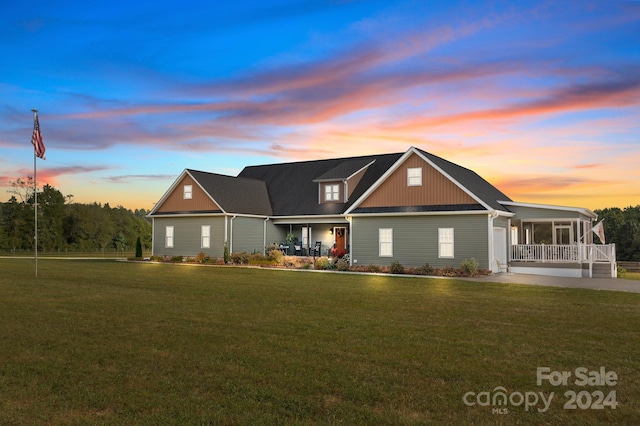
(553, 253)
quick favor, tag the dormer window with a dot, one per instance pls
(332, 192)
(414, 176)
(187, 192)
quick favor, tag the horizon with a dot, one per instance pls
(540, 99)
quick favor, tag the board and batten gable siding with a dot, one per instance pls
(199, 201)
(415, 240)
(187, 236)
(436, 189)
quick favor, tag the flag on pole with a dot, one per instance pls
(598, 229)
(36, 138)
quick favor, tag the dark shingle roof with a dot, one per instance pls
(235, 195)
(344, 170)
(292, 189)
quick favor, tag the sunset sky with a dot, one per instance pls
(542, 99)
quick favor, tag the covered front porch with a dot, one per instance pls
(324, 236)
(559, 247)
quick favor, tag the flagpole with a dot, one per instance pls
(35, 195)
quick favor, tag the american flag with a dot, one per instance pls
(599, 231)
(36, 139)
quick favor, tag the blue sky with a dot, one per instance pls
(540, 98)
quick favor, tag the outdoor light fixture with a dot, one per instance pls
(331, 231)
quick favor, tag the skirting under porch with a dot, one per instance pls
(570, 270)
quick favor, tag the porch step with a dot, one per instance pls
(602, 270)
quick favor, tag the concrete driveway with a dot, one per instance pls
(615, 284)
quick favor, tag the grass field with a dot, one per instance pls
(104, 342)
(631, 276)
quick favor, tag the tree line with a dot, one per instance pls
(67, 226)
(64, 226)
(622, 227)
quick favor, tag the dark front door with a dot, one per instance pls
(341, 238)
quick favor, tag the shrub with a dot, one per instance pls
(177, 259)
(396, 268)
(138, 248)
(276, 256)
(260, 259)
(448, 271)
(202, 258)
(425, 269)
(470, 267)
(372, 268)
(323, 263)
(621, 271)
(226, 253)
(342, 265)
(239, 258)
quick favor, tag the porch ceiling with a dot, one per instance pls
(308, 219)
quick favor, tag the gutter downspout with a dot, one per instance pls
(350, 220)
(231, 234)
(492, 255)
(264, 236)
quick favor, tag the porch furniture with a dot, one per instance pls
(315, 251)
(298, 250)
(503, 268)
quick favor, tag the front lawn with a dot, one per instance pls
(104, 342)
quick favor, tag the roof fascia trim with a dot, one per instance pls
(582, 210)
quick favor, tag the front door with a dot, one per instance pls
(563, 234)
(341, 238)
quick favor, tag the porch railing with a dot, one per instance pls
(553, 253)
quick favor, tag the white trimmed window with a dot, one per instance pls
(414, 176)
(187, 192)
(445, 242)
(332, 192)
(205, 236)
(385, 242)
(168, 236)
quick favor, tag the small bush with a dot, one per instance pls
(323, 263)
(240, 258)
(342, 265)
(177, 259)
(396, 268)
(276, 256)
(372, 268)
(448, 271)
(425, 269)
(621, 271)
(202, 258)
(138, 248)
(470, 267)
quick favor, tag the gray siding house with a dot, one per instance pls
(411, 207)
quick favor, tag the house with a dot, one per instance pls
(412, 207)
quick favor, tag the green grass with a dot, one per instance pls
(104, 342)
(631, 276)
